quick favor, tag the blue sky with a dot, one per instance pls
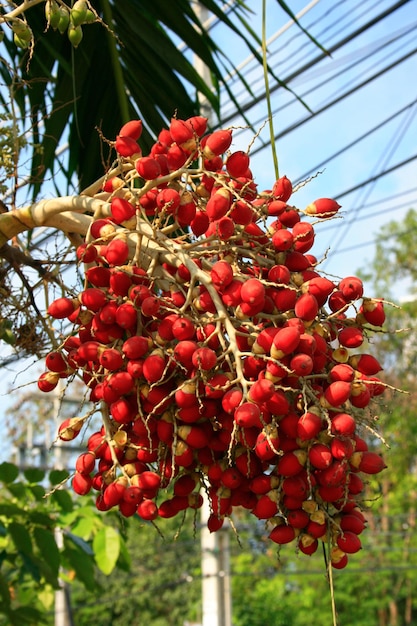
(365, 210)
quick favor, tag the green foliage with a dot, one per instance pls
(33, 563)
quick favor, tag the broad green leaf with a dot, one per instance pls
(106, 546)
(4, 590)
(63, 499)
(79, 542)
(38, 491)
(11, 510)
(34, 475)
(21, 537)
(46, 543)
(27, 615)
(41, 519)
(58, 476)
(8, 472)
(84, 527)
(20, 491)
(124, 561)
(82, 564)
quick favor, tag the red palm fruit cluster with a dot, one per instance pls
(222, 361)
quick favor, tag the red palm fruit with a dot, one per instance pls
(295, 487)
(89, 351)
(81, 483)
(186, 212)
(290, 217)
(231, 478)
(231, 294)
(182, 133)
(323, 208)
(296, 261)
(291, 463)
(303, 234)
(288, 425)
(85, 463)
(241, 213)
(307, 344)
(132, 129)
(112, 184)
(341, 448)
(123, 411)
(267, 443)
(126, 146)
(111, 359)
(316, 529)
(217, 385)
(62, 307)
(365, 364)
(367, 462)
(334, 475)
(266, 506)
(204, 359)
(232, 399)
(208, 335)
(127, 509)
(224, 228)
(284, 298)
(282, 189)
(149, 482)
(183, 328)
(70, 428)
(247, 463)
(373, 311)
(282, 534)
(117, 252)
(337, 393)
(336, 301)
(168, 199)
(349, 542)
(194, 436)
(183, 352)
(350, 337)
(217, 143)
(282, 240)
(221, 274)
(198, 123)
(307, 544)
(135, 347)
(93, 298)
(98, 276)
(150, 306)
(279, 274)
(261, 391)
(309, 425)
(237, 163)
(138, 293)
(126, 315)
(48, 381)
(320, 287)
(263, 483)
(120, 283)
(200, 223)
(306, 307)
(298, 518)
(320, 456)
(278, 403)
(87, 253)
(147, 510)
(121, 383)
(185, 484)
(342, 372)
(133, 495)
(263, 341)
(214, 522)
(218, 204)
(121, 210)
(55, 362)
(148, 168)
(285, 341)
(351, 288)
(331, 494)
(355, 485)
(248, 414)
(352, 523)
(301, 365)
(343, 424)
(176, 157)
(154, 367)
(135, 368)
(361, 395)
